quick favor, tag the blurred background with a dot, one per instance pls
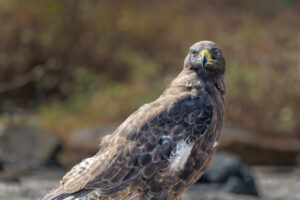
(71, 71)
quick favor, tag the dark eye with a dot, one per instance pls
(215, 53)
(194, 52)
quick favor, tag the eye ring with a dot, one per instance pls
(194, 52)
(216, 52)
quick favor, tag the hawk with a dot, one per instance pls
(163, 147)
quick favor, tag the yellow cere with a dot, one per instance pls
(206, 53)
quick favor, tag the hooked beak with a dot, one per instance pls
(204, 57)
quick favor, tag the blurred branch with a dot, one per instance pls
(20, 81)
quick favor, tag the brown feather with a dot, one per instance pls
(163, 147)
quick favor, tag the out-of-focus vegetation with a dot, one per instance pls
(76, 62)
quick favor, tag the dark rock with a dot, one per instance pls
(247, 181)
(237, 185)
(227, 174)
(217, 196)
(223, 166)
(22, 145)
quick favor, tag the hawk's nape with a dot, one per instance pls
(163, 147)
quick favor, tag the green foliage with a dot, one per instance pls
(84, 62)
(95, 98)
(287, 2)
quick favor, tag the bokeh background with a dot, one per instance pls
(76, 69)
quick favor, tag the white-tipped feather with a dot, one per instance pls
(180, 154)
(215, 144)
(78, 176)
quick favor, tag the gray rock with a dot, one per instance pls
(223, 166)
(22, 145)
(227, 174)
(194, 193)
(87, 139)
(83, 143)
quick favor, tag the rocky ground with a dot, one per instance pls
(274, 183)
(23, 174)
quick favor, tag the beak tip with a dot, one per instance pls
(203, 61)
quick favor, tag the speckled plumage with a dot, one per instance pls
(163, 147)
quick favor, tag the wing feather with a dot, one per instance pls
(142, 145)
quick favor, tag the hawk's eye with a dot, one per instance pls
(194, 52)
(215, 53)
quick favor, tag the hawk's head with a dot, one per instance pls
(205, 57)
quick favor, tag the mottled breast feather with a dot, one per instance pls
(149, 144)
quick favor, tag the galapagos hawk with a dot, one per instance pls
(164, 146)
